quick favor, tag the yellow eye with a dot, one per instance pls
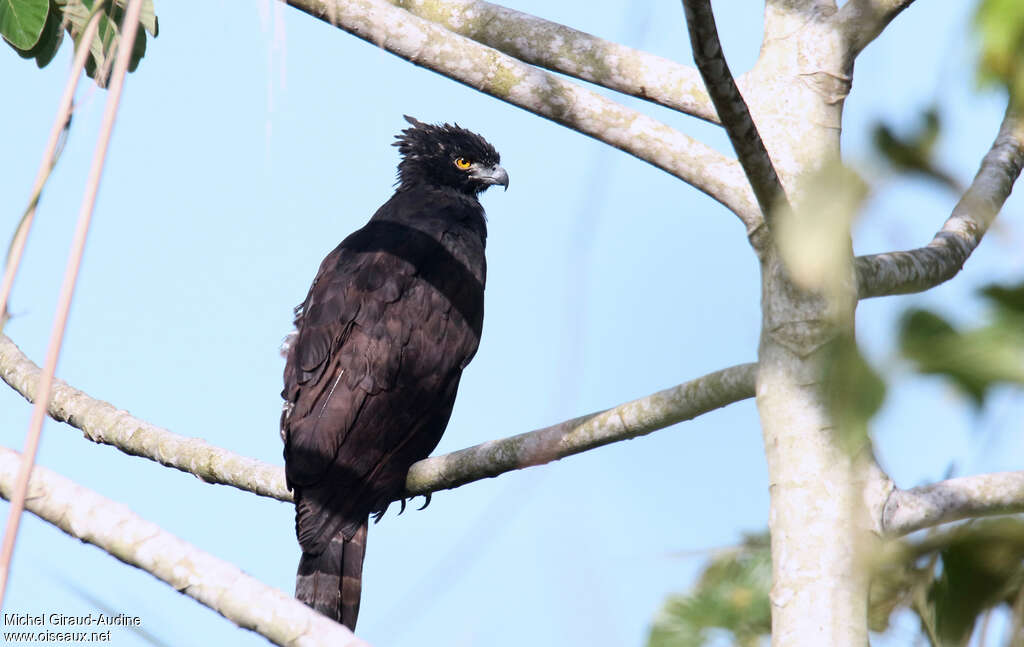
(462, 163)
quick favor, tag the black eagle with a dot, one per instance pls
(391, 320)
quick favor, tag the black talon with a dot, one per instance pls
(426, 501)
(403, 506)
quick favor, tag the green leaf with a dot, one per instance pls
(139, 48)
(49, 41)
(22, 21)
(147, 18)
(1000, 24)
(103, 47)
(41, 37)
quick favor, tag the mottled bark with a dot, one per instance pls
(820, 525)
(629, 420)
(572, 52)
(217, 584)
(103, 423)
(919, 269)
(967, 497)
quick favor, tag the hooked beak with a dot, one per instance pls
(491, 175)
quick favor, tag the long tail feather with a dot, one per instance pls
(331, 582)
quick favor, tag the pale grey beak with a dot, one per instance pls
(491, 175)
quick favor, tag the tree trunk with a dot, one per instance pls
(817, 518)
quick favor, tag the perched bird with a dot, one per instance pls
(391, 320)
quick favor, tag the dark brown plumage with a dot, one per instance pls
(391, 320)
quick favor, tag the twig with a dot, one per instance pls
(732, 110)
(217, 584)
(919, 269)
(128, 30)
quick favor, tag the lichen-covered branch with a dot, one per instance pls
(566, 50)
(629, 420)
(104, 423)
(732, 110)
(430, 45)
(961, 498)
(220, 585)
(923, 268)
(863, 20)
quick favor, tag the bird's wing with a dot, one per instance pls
(340, 356)
(370, 379)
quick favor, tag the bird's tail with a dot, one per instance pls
(331, 581)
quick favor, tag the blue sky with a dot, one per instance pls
(253, 138)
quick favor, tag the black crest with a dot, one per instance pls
(430, 151)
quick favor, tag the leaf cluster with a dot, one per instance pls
(35, 30)
(731, 596)
(950, 580)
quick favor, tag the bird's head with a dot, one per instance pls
(447, 156)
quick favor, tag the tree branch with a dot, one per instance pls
(578, 54)
(220, 585)
(431, 46)
(732, 110)
(961, 498)
(626, 421)
(861, 21)
(103, 423)
(923, 268)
